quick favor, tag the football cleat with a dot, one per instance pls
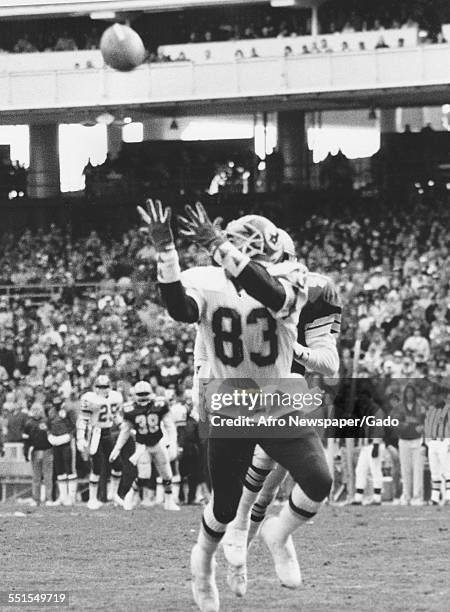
(283, 554)
(131, 500)
(234, 544)
(50, 503)
(117, 501)
(170, 504)
(204, 588)
(237, 579)
(94, 504)
(256, 237)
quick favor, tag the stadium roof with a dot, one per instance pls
(36, 8)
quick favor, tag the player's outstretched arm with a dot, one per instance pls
(180, 306)
(256, 281)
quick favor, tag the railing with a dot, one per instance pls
(163, 84)
(44, 291)
(272, 47)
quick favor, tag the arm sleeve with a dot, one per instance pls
(180, 306)
(263, 287)
(321, 355)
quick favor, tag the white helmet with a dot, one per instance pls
(256, 237)
(288, 245)
(102, 385)
(143, 392)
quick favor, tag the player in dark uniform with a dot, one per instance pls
(153, 426)
(62, 423)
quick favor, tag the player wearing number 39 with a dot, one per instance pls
(247, 309)
(146, 416)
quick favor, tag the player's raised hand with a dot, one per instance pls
(158, 220)
(197, 226)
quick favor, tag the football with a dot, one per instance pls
(122, 48)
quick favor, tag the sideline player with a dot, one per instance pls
(94, 434)
(147, 416)
(62, 429)
(247, 309)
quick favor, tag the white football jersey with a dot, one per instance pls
(241, 337)
(101, 411)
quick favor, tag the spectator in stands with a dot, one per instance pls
(418, 346)
(324, 48)
(305, 50)
(381, 44)
(287, 51)
(345, 46)
(65, 43)
(23, 45)
(238, 54)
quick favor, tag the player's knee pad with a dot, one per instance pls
(61, 477)
(116, 473)
(301, 504)
(94, 478)
(72, 476)
(211, 523)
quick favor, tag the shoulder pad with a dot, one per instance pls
(292, 271)
(207, 277)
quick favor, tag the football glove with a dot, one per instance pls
(158, 220)
(200, 229)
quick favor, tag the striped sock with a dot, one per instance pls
(253, 483)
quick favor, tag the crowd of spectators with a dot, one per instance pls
(391, 266)
(13, 179)
(230, 23)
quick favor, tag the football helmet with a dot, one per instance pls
(143, 392)
(102, 385)
(288, 245)
(256, 237)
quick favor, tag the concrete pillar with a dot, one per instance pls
(315, 21)
(43, 176)
(114, 139)
(292, 144)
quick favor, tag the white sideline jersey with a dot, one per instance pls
(101, 411)
(241, 338)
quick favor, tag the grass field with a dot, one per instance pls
(388, 559)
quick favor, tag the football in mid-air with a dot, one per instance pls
(122, 48)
